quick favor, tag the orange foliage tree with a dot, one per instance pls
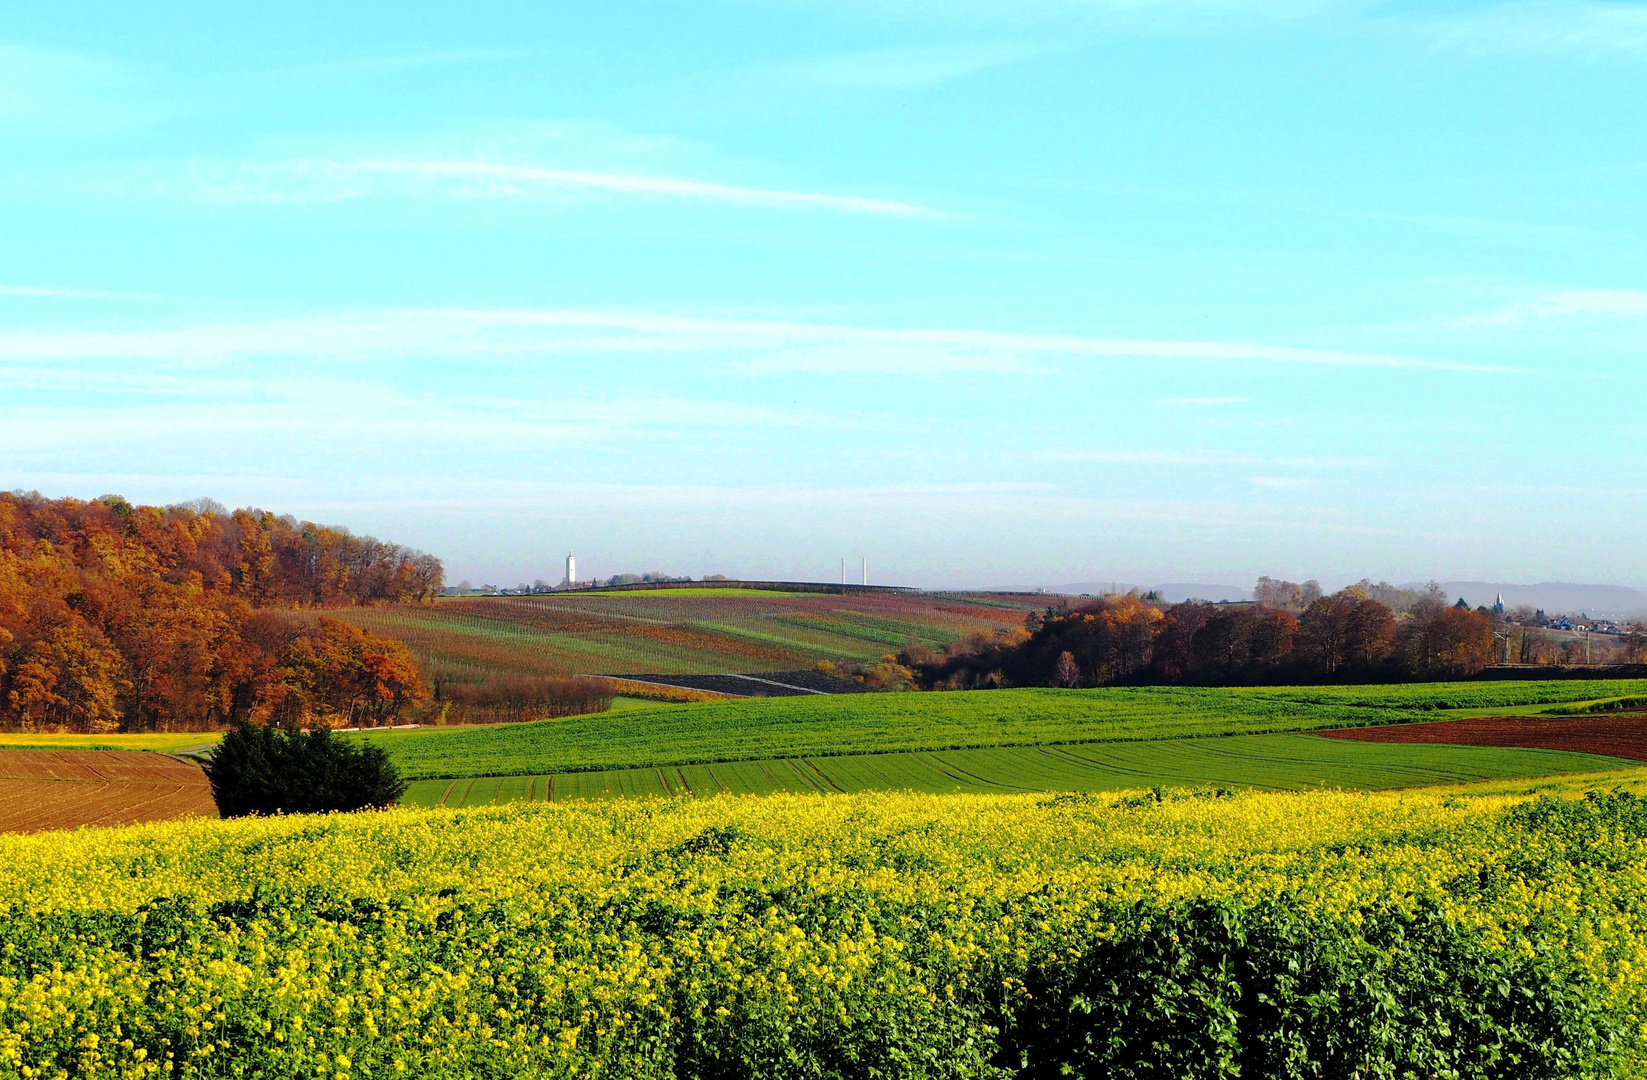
(1443, 640)
(337, 675)
(1348, 636)
(121, 617)
(1347, 631)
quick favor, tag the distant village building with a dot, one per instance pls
(571, 581)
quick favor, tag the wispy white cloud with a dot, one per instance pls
(959, 502)
(301, 181)
(1150, 14)
(969, 346)
(1201, 402)
(415, 60)
(164, 402)
(319, 427)
(741, 346)
(52, 90)
(48, 292)
(1148, 457)
(642, 185)
(914, 66)
(312, 432)
(1571, 27)
(821, 355)
(1571, 303)
(1195, 458)
(1546, 26)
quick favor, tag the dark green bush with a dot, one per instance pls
(269, 770)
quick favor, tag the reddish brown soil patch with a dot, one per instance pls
(63, 789)
(1616, 736)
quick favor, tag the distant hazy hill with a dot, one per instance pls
(1096, 588)
(1179, 591)
(1173, 593)
(1555, 597)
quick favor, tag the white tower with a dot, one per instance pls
(571, 570)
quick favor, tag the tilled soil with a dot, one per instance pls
(1623, 736)
(64, 789)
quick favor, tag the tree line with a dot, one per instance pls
(1347, 636)
(116, 617)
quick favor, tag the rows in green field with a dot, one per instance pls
(798, 727)
(836, 636)
(708, 651)
(750, 632)
(437, 637)
(892, 633)
(691, 593)
(1018, 604)
(1270, 762)
(934, 628)
(1461, 695)
(676, 605)
(799, 645)
(803, 637)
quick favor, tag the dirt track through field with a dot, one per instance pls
(63, 789)
(1615, 736)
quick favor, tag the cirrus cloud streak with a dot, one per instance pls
(767, 347)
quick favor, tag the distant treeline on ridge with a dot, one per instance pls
(1348, 636)
(141, 618)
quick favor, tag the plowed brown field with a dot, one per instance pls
(62, 789)
(1615, 736)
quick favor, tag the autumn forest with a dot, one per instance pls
(142, 618)
(1298, 636)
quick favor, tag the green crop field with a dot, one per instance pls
(1460, 695)
(773, 728)
(1268, 762)
(681, 631)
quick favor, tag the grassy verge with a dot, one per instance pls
(165, 742)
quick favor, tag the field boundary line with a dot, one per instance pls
(665, 685)
(784, 685)
(953, 769)
(822, 775)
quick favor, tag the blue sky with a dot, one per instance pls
(991, 293)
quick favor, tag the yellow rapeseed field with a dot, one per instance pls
(1468, 932)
